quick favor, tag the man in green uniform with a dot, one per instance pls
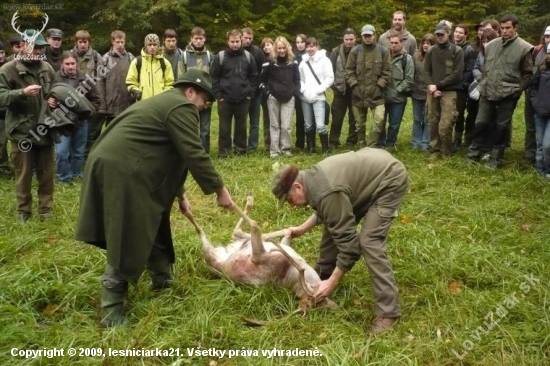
(24, 84)
(343, 189)
(133, 174)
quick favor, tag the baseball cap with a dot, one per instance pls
(282, 182)
(367, 29)
(39, 40)
(2, 48)
(442, 28)
(547, 31)
(197, 77)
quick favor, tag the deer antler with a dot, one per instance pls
(13, 24)
(44, 23)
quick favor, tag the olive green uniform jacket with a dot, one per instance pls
(341, 189)
(24, 113)
(133, 174)
(368, 72)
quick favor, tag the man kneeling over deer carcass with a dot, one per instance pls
(343, 189)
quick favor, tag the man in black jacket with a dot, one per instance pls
(234, 83)
(247, 37)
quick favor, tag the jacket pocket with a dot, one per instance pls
(449, 64)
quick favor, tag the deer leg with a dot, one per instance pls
(255, 234)
(238, 232)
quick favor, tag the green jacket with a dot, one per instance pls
(368, 72)
(194, 59)
(507, 70)
(23, 113)
(445, 65)
(134, 172)
(341, 189)
(401, 80)
(338, 57)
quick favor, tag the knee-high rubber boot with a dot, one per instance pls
(161, 275)
(310, 139)
(324, 143)
(112, 305)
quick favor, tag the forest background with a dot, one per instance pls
(324, 19)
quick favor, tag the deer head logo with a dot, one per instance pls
(30, 39)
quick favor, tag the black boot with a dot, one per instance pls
(324, 143)
(310, 139)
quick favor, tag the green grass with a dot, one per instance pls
(464, 239)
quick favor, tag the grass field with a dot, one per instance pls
(462, 246)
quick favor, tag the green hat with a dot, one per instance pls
(39, 40)
(282, 182)
(54, 33)
(197, 77)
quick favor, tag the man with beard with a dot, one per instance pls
(24, 84)
(54, 51)
(398, 25)
(342, 92)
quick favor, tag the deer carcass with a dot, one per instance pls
(252, 259)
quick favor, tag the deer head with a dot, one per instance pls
(26, 38)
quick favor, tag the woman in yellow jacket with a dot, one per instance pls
(149, 74)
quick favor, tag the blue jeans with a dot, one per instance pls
(421, 129)
(542, 128)
(254, 116)
(394, 113)
(69, 153)
(314, 113)
(205, 117)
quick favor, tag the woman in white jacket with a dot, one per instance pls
(315, 66)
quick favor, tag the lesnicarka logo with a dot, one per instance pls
(30, 38)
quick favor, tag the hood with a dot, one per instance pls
(318, 55)
(192, 49)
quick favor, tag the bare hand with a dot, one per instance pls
(432, 88)
(224, 198)
(184, 205)
(295, 232)
(32, 90)
(326, 288)
(438, 94)
(52, 102)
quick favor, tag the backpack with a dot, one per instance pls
(139, 61)
(541, 100)
(221, 56)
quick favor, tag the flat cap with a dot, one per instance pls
(282, 182)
